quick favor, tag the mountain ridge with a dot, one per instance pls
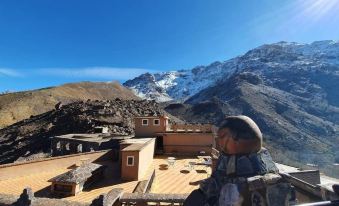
(180, 85)
(289, 89)
(17, 106)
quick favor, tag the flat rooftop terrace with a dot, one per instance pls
(181, 178)
(41, 187)
(178, 179)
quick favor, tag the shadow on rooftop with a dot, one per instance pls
(44, 192)
(184, 171)
(201, 171)
(163, 167)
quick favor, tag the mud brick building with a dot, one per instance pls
(78, 143)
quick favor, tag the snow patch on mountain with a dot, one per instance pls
(182, 84)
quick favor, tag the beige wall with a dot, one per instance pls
(129, 172)
(146, 158)
(22, 169)
(188, 143)
(122, 146)
(150, 129)
(142, 161)
(187, 150)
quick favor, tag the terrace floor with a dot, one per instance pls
(177, 179)
(41, 187)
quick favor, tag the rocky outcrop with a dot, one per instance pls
(17, 106)
(30, 137)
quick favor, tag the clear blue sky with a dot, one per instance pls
(49, 42)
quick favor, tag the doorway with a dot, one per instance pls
(159, 148)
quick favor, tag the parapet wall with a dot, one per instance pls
(310, 176)
(27, 198)
(49, 164)
(188, 143)
(191, 128)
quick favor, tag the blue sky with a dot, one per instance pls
(47, 42)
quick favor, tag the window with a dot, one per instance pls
(144, 122)
(156, 122)
(130, 160)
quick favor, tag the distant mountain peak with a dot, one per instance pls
(181, 85)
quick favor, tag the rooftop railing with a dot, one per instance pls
(191, 128)
(145, 199)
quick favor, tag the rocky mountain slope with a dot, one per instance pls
(29, 137)
(21, 105)
(289, 89)
(182, 84)
(179, 85)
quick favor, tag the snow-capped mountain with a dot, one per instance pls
(182, 84)
(289, 89)
(179, 85)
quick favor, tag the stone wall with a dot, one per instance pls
(60, 146)
(309, 176)
(65, 146)
(27, 199)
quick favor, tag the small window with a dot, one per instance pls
(130, 160)
(156, 122)
(144, 122)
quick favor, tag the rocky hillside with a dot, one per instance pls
(30, 137)
(303, 128)
(21, 105)
(182, 84)
(290, 89)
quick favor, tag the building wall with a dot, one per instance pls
(129, 172)
(188, 143)
(150, 129)
(75, 189)
(31, 167)
(121, 147)
(142, 161)
(62, 146)
(146, 158)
